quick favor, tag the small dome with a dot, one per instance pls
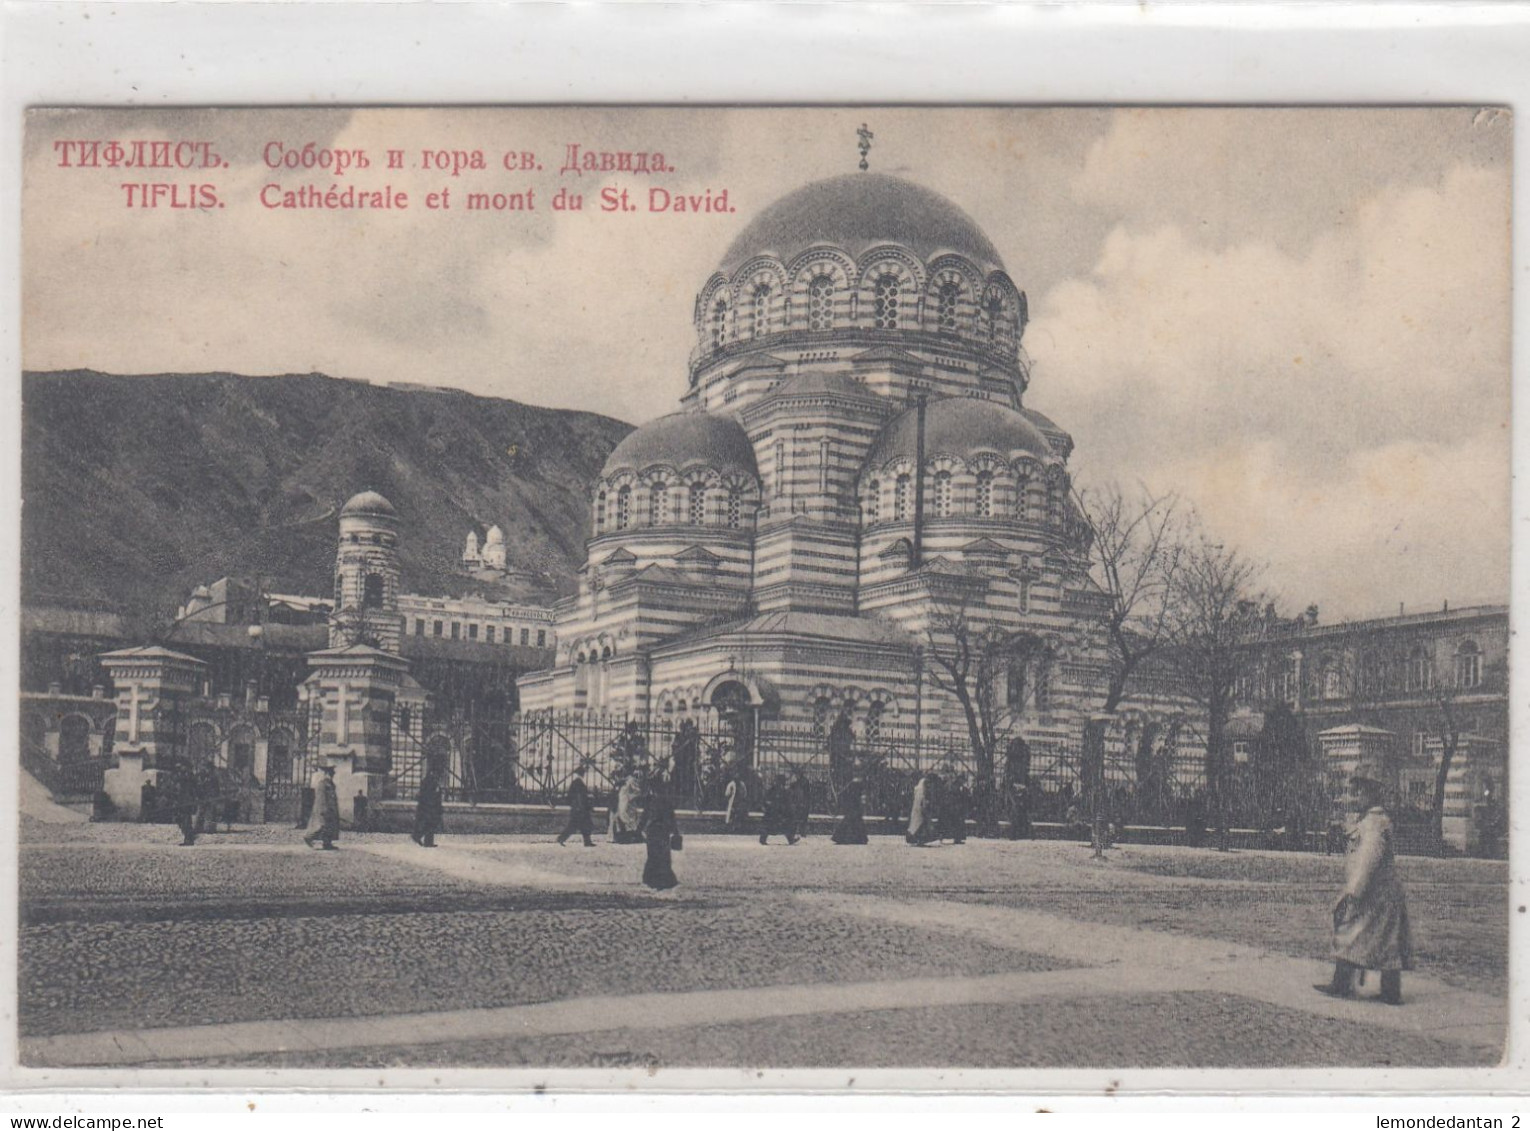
(202, 593)
(857, 212)
(368, 503)
(683, 438)
(495, 537)
(962, 427)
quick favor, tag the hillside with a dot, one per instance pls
(135, 489)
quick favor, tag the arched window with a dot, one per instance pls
(372, 591)
(902, 490)
(1468, 665)
(1023, 497)
(735, 508)
(1054, 499)
(885, 292)
(698, 503)
(993, 317)
(942, 494)
(873, 501)
(1025, 594)
(719, 323)
(821, 303)
(623, 507)
(759, 321)
(781, 467)
(600, 512)
(984, 501)
(874, 721)
(1420, 672)
(822, 709)
(658, 503)
(946, 298)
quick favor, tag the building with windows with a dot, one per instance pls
(1410, 686)
(853, 476)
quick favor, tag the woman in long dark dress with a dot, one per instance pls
(851, 828)
(659, 871)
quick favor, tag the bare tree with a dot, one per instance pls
(1216, 610)
(1137, 546)
(983, 668)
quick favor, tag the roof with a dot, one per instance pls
(682, 438)
(960, 426)
(368, 503)
(152, 652)
(816, 383)
(857, 212)
(839, 629)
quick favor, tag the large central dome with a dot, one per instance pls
(857, 212)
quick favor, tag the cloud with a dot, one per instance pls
(1281, 390)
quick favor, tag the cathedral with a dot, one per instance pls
(853, 476)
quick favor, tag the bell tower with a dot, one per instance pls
(367, 575)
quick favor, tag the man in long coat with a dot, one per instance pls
(801, 801)
(579, 819)
(325, 825)
(1370, 920)
(778, 812)
(954, 807)
(852, 826)
(427, 810)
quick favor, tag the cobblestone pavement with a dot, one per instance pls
(122, 930)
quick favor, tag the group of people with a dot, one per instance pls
(643, 811)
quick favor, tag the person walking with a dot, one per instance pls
(579, 815)
(1019, 812)
(922, 811)
(427, 810)
(625, 825)
(325, 825)
(801, 799)
(778, 812)
(1370, 920)
(955, 805)
(662, 834)
(736, 802)
(186, 808)
(851, 828)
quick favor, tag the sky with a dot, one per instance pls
(1297, 320)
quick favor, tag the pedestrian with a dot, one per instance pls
(801, 799)
(325, 825)
(1019, 811)
(186, 808)
(736, 802)
(841, 749)
(1370, 920)
(579, 817)
(922, 811)
(778, 812)
(627, 814)
(685, 757)
(662, 834)
(427, 810)
(1195, 819)
(851, 828)
(956, 803)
